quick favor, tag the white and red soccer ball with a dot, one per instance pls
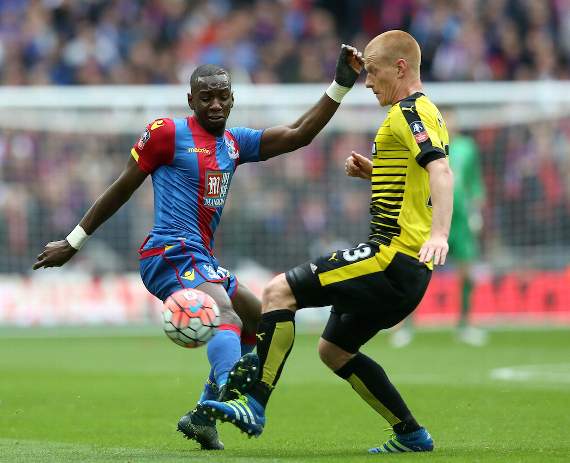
(190, 317)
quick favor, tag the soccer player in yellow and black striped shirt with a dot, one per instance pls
(376, 284)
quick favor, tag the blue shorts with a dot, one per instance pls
(180, 265)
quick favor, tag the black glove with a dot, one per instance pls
(345, 75)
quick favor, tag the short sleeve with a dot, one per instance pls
(248, 141)
(418, 132)
(155, 146)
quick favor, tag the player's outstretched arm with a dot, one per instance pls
(441, 188)
(358, 166)
(57, 253)
(287, 138)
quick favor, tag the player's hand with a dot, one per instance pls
(55, 254)
(348, 66)
(359, 166)
(435, 248)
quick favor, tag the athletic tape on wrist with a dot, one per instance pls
(337, 91)
(77, 237)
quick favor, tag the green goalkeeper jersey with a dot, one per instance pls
(468, 184)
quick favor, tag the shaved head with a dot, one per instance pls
(207, 70)
(392, 62)
(389, 47)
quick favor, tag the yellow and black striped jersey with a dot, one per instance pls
(412, 135)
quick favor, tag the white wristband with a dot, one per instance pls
(336, 91)
(77, 237)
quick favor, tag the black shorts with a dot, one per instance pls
(369, 289)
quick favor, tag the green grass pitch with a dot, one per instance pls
(118, 398)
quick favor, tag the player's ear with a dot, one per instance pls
(190, 103)
(401, 66)
(232, 103)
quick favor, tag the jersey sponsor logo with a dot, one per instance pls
(198, 150)
(143, 139)
(216, 187)
(419, 131)
(233, 152)
(157, 124)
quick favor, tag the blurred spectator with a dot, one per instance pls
(288, 208)
(278, 212)
(160, 41)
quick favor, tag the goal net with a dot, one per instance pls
(61, 147)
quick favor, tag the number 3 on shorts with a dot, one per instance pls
(361, 252)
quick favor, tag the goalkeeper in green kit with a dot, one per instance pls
(466, 223)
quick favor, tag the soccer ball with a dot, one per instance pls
(190, 317)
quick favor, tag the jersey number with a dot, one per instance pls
(361, 252)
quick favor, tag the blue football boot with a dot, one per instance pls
(416, 441)
(244, 412)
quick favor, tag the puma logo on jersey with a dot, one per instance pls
(157, 124)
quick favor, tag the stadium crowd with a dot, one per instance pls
(160, 41)
(299, 204)
(47, 180)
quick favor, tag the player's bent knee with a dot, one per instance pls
(228, 316)
(277, 295)
(333, 356)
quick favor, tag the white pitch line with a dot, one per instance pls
(542, 373)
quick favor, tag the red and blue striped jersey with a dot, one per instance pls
(191, 174)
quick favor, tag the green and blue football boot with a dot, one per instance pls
(416, 441)
(245, 413)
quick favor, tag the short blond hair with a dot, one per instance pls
(393, 45)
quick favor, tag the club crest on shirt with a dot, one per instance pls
(216, 187)
(233, 151)
(143, 139)
(419, 131)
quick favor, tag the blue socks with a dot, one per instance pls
(224, 351)
(211, 389)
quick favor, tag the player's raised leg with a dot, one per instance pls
(248, 307)
(224, 350)
(275, 336)
(244, 373)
